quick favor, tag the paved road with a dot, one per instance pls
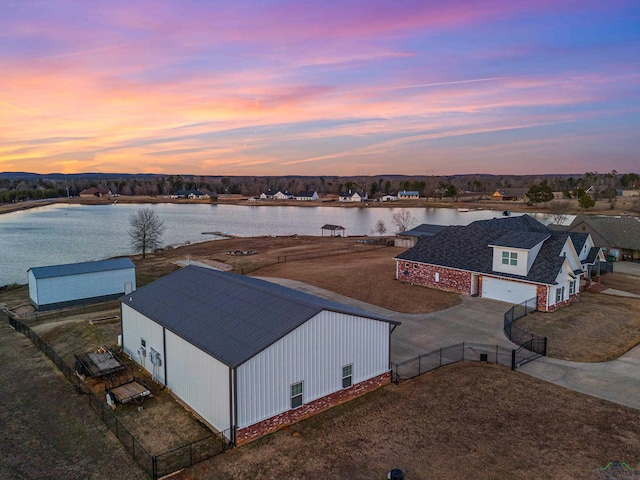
(479, 320)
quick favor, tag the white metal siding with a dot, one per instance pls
(314, 353)
(136, 326)
(507, 291)
(33, 288)
(200, 380)
(88, 285)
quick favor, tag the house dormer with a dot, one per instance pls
(515, 252)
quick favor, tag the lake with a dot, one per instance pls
(63, 233)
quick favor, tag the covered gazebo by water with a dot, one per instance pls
(334, 230)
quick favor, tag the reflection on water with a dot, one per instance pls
(58, 234)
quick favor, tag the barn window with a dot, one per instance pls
(347, 376)
(296, 395)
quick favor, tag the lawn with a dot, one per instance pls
(598, 328)
(368, 276)
(467, 420)
(622, 281)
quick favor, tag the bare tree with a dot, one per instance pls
(146, 230)
(380, 227)
(558, 212)
(403, 220)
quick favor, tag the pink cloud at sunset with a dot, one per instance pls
(338, 88)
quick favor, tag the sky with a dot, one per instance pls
(308, 87)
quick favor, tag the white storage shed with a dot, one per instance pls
(249, 356)
(58, 286)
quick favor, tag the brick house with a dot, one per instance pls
(511, 259)
(95, 192)
(248, 356)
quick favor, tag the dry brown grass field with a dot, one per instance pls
(622, 281)
(467, 420)
(597, 328)
(464, 421)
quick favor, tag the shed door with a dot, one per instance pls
(507, 291)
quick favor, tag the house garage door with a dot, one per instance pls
(506, 291)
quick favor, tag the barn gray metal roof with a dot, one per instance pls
(81, 268)
(229, 316)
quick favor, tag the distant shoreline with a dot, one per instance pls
(602, 207)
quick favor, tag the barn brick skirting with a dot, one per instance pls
(276, 422)
(449, 280)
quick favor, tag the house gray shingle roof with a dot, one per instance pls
(467, 248)
(619, 232)
(524, 240)
(592, 256)
(229, 316)
(578, 239)
(425, 229)
(80, 268)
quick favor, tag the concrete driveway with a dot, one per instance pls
(476, 320)
(479, 320)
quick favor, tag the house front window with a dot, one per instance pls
(347, 376)
(510, 258)
(296, 395)
(559, 294)
(572, 287)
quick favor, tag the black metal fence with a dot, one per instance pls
(155, 465)
(527, 341)
(447, 355)
(599, 268)
(363, 247)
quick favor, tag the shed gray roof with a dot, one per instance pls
(229, 316)
(468, 248)
(81, 268)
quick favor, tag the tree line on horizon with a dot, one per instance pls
(17, 187)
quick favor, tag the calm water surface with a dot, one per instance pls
(63, 233)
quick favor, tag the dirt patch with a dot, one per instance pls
(598, 328)
(367, 276)
(622, 281)
(468, 420)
